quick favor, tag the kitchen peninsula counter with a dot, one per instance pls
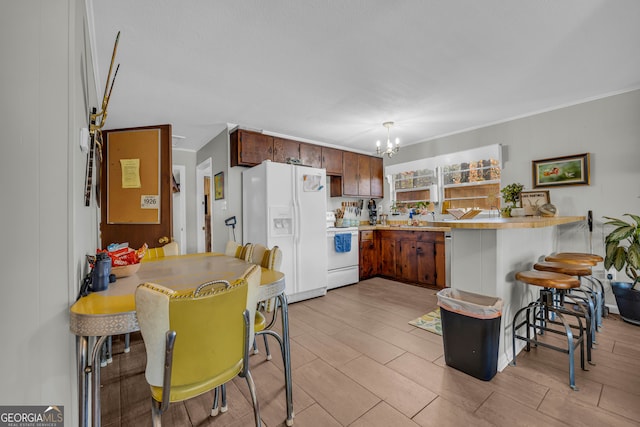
(486, 254)
(506, 223)
(480, 224)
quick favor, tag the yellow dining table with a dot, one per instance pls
(99, 315)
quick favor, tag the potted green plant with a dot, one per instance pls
(623, 253)
(510, 194)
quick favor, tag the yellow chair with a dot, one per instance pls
(152, 254)
(234, 249)
(271, 259)
(195, 341)
(231, 249)
(258, 253)
(252, 276)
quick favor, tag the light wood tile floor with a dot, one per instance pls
(357, 362)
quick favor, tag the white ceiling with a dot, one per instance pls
(332, 71)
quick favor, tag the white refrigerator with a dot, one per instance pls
(285, 205)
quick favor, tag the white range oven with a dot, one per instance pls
(342, 265)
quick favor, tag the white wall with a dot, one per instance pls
(45, 227)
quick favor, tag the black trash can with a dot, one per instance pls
(470, 331)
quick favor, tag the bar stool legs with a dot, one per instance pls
(541, 315)
(539, 311)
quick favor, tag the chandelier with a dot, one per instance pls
(391, 149)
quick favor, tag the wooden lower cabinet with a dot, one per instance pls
(368, 255)
(387, 255)
(415, 257)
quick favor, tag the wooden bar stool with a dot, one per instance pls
(544, 311)
(596, 284)
(589, 298)
(575, 258)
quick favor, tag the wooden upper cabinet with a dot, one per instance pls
(311, 155)
(332, 160)
(350, 174)
(250, 148)
(377, 178)
(362, 175)
(284, 149)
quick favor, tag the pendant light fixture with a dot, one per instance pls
(391, 148)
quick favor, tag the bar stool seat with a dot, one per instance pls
(548, 279)
(538, 317)
(564, 268)
(575, 258)
(597, 286)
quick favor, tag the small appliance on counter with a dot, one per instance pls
(373, 212)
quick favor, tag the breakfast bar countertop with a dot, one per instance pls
(480, 223)
(404, 227)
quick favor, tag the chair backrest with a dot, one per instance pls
(232, 248)
(246, 252)
(153, 254)
(171, 249)
(258, 253)
(272, 259)
(210, 333)
(252, 276)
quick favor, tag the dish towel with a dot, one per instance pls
(342, 242)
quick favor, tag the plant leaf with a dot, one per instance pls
(615, 221)
(620, 233)
(610, 254)
(636, 218)
(633, 255)
(620, 258)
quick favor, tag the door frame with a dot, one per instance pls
(181, 171)
(203, 169)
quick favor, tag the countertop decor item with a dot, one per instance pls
(464, 213)
(125, 270)
(531, 201)
(510, 194)
(547, 210)
(623, 252)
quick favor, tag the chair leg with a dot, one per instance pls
(224, 407)
(266, 347)
(127, 343)
(255, 347)
(254, 397)
(215, 409)
(156, 413)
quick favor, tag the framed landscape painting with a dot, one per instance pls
(558, 171)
